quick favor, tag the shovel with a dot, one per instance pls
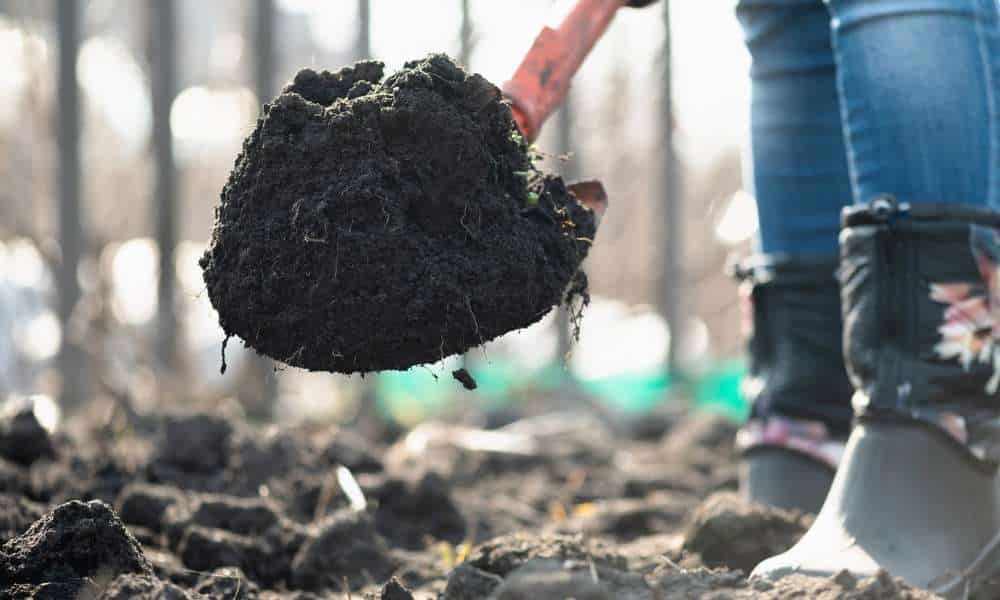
(541, 82)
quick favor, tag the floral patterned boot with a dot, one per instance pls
(915, 493)
(796, 381)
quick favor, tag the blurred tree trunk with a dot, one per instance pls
(672, 274)
(363, 41)
(569, 169)
(466, 43)
(163, 61)
(261, 405)
(72, 357)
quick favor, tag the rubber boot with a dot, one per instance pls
(784, 478)
(796, 381)
(916, 490)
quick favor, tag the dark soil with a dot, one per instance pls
(590, 513)
(376, 223)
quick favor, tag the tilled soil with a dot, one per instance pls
(376, 222)
(204, 506)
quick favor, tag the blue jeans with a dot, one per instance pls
(856, 98)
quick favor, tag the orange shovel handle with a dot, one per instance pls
(542, 80)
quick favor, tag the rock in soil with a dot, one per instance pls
(728, 531)
(76, 540)
(378, 222)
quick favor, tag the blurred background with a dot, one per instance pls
(120, 121)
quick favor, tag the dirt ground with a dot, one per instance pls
(200, 505)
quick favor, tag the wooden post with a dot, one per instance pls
(162, 30)
(72, 359)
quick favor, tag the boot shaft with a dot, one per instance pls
(918, 328)
(795, 359)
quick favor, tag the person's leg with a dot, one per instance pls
(916, 491)
(797, 169)
(798, 163)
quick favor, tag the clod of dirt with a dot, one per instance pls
(582, 580)
(206, 549)
(463, 377)
(548, 579)
(229, 583)
(196, 443)
(76, 540)
(346, 546)
(374, 223)
(246, 516)
(466, 582)
(145, 504)
(22, 438)
(142, 587)
(393, 590)
(410, 511)
(504, 554)
(728, 531)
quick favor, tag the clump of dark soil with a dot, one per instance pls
(23, 440)
(378, 222)
(74, 542)
(729, 531)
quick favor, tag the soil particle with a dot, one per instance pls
(76, 540)
(346, 547)
(23, 440)
(728, 531)
(466, 582)
(374, 223)
(463, 377)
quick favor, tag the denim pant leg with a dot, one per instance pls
(919, 84)
(797, 165)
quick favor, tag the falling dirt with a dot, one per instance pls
(378, 222)
(592, 512)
